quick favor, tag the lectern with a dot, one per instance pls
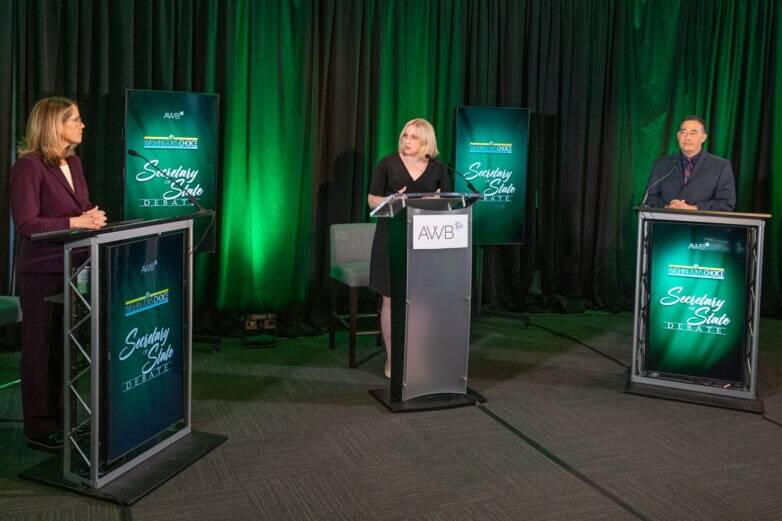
(697, 306)
(430, 239)
(127, 304)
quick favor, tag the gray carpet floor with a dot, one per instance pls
(557, 439)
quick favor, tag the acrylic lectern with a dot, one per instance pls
(430, 239)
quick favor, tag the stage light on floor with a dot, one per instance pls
(260, 330)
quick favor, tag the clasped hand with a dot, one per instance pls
(680, 204)
(93, 219)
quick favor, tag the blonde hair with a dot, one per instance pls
(44, 130)
(426, 136)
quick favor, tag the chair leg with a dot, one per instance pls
(333, 317)
(353, 327)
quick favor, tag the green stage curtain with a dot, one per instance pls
(314, 93)
(93, 51)
(314, 97)
(608, 83)
(7, 133)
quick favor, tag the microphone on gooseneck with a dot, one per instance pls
(646, 194)
(452, 169)
(189, 196)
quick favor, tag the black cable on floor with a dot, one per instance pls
(778, 424)
(579, 342)
(561, 463)
(126, 514)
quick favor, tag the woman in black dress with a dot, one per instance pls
(408, 170)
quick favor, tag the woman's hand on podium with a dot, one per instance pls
(376, 200)
(435, 196)
(93, 219)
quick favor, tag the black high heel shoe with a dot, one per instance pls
(51, 443)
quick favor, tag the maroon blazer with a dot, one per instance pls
(42, 201)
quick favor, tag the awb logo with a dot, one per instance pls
(174, 115)
(699, 246)
(435, 232)
(149, 267)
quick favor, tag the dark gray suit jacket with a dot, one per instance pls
(711, 185)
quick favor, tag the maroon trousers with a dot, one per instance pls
(42, 350)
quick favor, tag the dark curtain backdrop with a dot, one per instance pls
(314, 93)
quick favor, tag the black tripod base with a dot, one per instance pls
(137, 482)
(430, 402)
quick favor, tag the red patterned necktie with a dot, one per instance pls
(688, 170)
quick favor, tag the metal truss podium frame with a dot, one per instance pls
(82, 469)
(694, 389)
(74, 353)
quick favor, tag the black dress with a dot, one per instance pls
(390, 176)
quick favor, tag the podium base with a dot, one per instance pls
(137, 482)
(712, 400)
(431, 402)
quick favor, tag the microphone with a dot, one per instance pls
(646, 194)
(190, 198)
(449, 167)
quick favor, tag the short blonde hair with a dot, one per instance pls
(426, 137)
(44, 130)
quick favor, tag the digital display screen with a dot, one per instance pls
(697, 300)
(145, 331)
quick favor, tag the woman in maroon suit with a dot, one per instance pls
(48, 193)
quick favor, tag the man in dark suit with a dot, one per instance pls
(692, 179)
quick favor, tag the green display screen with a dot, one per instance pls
(177, 132)
(491, 153)
(145, 323)
(697, 300)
